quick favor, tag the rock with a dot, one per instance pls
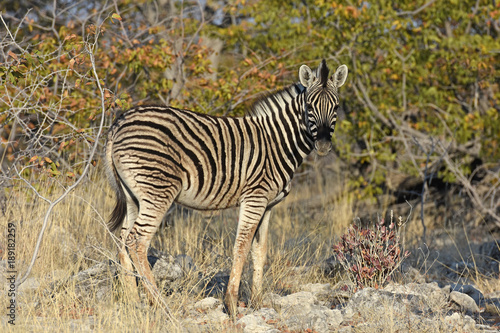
(399, 299)
(267, 314)
(300, 311)
(430, 294)
(460, 322)
(217, 315)
(271, 300)
(345, 329)
(185, 262)
(365, 300)
(206, 304)
(206, 315)
(373, 310)
(257, 321)
(470, 290)
(464, 301)
(318, 318)
(316, 288)
(323, 293)
(303, 298)
(214, 285)
(95, 281)
(165, 268)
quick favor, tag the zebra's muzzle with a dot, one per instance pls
(323, 147)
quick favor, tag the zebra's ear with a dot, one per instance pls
(340, 76)
(306, 76)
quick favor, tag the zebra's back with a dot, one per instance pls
(209, 160)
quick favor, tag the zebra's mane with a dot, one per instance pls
(263, 106)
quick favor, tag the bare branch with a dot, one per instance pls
(418, 10)
(90, 50)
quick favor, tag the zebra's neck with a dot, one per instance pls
(276, 101)
(284, 115)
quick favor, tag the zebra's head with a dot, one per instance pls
(321, 103)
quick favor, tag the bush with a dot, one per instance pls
(370, 256)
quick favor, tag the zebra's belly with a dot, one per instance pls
(192, 199)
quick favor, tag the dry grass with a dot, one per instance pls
(302, 231)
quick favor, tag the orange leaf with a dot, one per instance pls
(13, 55)
(72, 36)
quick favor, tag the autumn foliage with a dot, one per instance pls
(422, 98)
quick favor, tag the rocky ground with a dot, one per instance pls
(413, 305)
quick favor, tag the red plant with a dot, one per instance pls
(369, 256)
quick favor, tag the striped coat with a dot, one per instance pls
(157, 155)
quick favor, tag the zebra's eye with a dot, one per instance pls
(336, 107)
(308, 106)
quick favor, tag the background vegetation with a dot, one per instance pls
(422, 99)
(420, 110)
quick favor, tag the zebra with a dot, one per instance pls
(156, 155)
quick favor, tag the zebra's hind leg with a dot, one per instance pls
(126, 239)
(259, 255)
(251, 211)
(147, 223)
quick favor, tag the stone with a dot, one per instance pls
(460, 269)
(470, 290)
(215, 285)
(165, 268)
(206, 315)
(423, 295)
(185, 262)
(464, 301)
(95, 281)
(257, 322)
(206, 304)
(316, 317)
(460, 322)
(267, 314)
(316, 288)
(301, 311)
(302, 298)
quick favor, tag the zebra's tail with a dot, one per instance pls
(120, 210)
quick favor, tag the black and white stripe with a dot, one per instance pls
(157, 155)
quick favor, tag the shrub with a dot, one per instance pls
(370, 256)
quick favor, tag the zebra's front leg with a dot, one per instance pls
(259, 255)
(251, 212)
